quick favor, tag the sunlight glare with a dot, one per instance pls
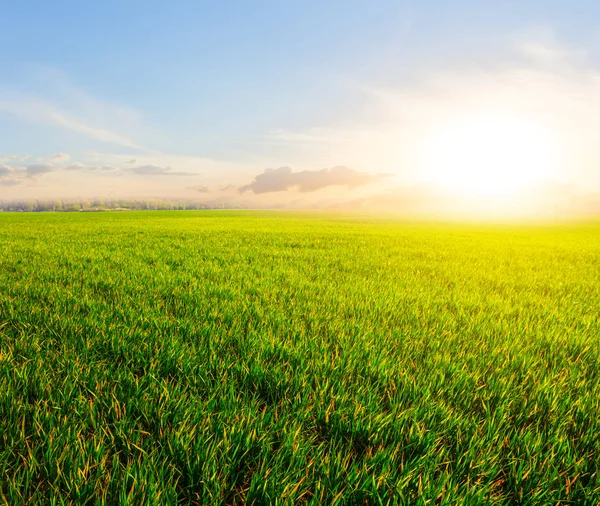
(490, 154)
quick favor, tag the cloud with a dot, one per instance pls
(56, 158)
(72, 109)
(40, 168)
(227, 187)
(76, 166)
(10, 182)
(100, 134)
(14, 158)
(314, 136)
(60, 158)
(283, 178)
(170, 164)
(155, 170)
(200, 189)
(10, 176)
(537, 82)
(83, 166)
(37, 111)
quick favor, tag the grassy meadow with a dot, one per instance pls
(297, 358)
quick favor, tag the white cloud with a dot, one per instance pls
(14, 158)
(154, 170)
(60, 158)
(56, 158)
(78, 166)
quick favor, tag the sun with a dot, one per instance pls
(489, 154)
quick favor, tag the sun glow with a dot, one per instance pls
(490, 154)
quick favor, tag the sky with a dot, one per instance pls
(303, 104)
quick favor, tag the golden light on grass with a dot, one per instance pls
(490, 154)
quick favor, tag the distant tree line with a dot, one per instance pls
(100, 204)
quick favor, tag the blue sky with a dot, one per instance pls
(225, 90)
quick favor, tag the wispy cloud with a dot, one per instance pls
(39, 168)
(83, 167)
(227, 187)
(10, 182)
(200, 189)
(57, 158)
(76, 166)
(60, 158)
(9, 176)
(14, 158)
(154, 170)
(37, 111)
(317, 135)
(61, 104)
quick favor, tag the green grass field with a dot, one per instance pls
(283, 358)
